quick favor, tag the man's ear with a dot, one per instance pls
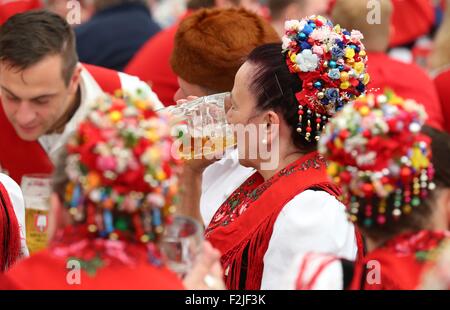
(75, 79)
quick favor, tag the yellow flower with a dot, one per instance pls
(332, 169)
(364, 110)
(366, 79)
(154, 155)
(118, 93)
(362, 53)
(345, 85)
(293, 57)
(141, 104)
(152, 135)
(93, 180)
(349, 53)
(115, 116)
(418, 159)
(359, 67)
(344, 76)
(160, 175)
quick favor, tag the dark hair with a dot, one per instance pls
(440, 149)
(419, 218)
(105, 4)
(275, 88)
(27, 38)
(277, 7)
(199, 4)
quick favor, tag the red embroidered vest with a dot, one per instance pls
(19, 157)
(400, 263)
(242, 227)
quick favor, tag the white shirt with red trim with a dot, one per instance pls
(313, 221)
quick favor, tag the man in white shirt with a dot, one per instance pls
(45, 91)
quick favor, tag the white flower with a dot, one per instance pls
(307, 61)
(286, 42)
(292, 24)
(357, 35)
(295, 25)
(318, 50)
(320, 34)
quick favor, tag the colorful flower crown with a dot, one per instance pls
(331, 62)
(379, 157)
(122, 176)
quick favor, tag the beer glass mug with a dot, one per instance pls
(181, 243)
(202, 128)
(36, 190)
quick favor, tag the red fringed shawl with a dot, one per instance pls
(242, 227)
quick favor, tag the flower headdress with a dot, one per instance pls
(122, 176)
(331, 62)
(379, 157)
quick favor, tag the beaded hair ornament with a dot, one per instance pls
(379, 158)
(331, 62)
(122, 175)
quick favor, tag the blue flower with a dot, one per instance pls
(361, 87)
(332, 94)
(307, 30)
(302, 36)
(305, 45)
(334, 74)
(337, 52)
(325, 101)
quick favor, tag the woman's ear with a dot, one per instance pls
(441, 207)
(272, 121)
(446, 202)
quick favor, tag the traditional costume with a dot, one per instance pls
(119, 187)
(19, 157)
(382, 163)
(264, 223)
